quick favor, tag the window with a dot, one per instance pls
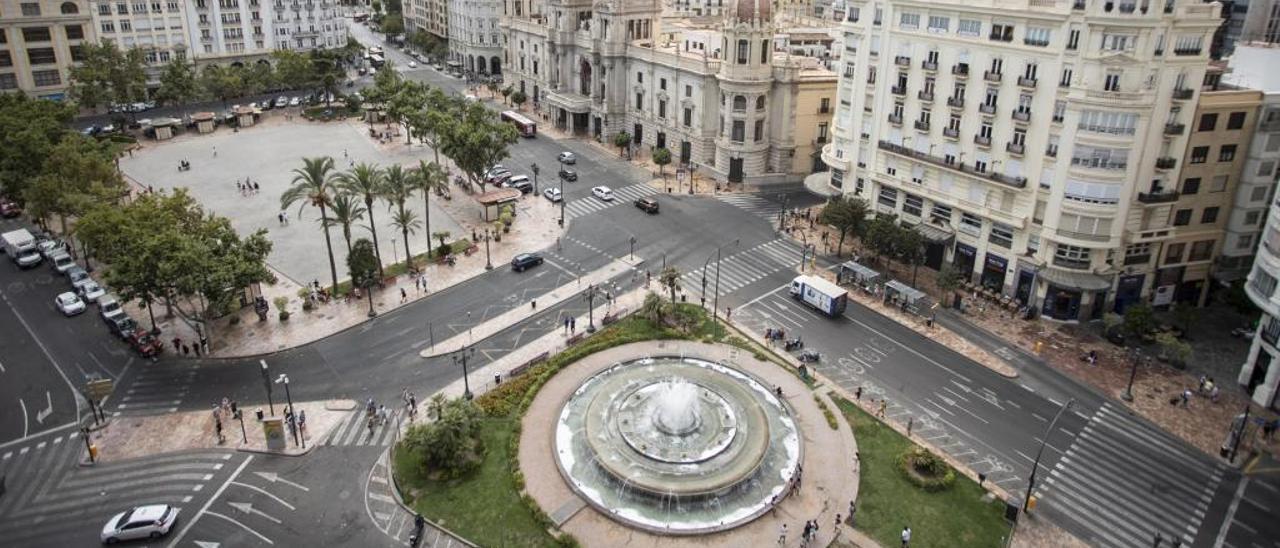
(1262, 282)
(1100, 157)
(888, 197)
(824, 106)
(940, 214)
(1059, 111)
(970, 27)
(1111, 81)
(74, 32)
(8, 81)
(739, 103)
(1265, 169)
(1245, 242)
(1002, 32)
(1208, 122)
(41, 56)
(759, 131)
(909, 21)
(662, 108)
(1070, 256)
(939, 23)
(1209, 215)
(662, 84)
(1137, 254)
(760, 103)
(1201, 251)
(688, 90)
(108, 27)
(1236, 120)
(1067, 73)
(1182, 217)
(913, 205)
(639, 101)
(970, 224)
(688, 117)
(1251, 218)
(31, 9)
(744, 49)
(1118, 42)
(739, 131)
(1199, 155)
(1227, 153)
(47, 77)
(1191, 185)
(1115, 123)
(36, 34)
(1073, 39)
(1037, 36)
(1173, 253)
(1258, 194)
(1001, 235)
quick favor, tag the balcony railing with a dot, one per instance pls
(987, 108)
(1166, 162)
(1013, 182)
(895, 119)
(1186, 51)
(1162, 197)
(1022, 115)
(902, 61)
(1174, 129)
(981, 141)
(1027, 82)
(992, 76)
(1015, 148)
(929, 65)
(925, 95)
(1070, 263)
(1183, 94)
(950, 133)
(922, 125)
(955, 102)
(1038, 42)
(960, 69)
(899, 90)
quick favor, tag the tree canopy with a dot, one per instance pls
(476, 141)
(29, 130)
(107, 74)
(178, 83)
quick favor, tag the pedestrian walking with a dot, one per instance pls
(835, 528)
(534, 304)
(177, 344)
(727, 313)
(573, 325)
(884, 405)
(782, 535)
(382, 414)
(280, 217)
(215, 152)
(302, 422)
(404, 295)
(1186, 398)
(255, 187)
(404, 395)
(566, 324)
(217, 426)
(906, 537)
(285, 214)
(186, 350)
(239, 187)
(413, 405)
(857, 394)
(910, 422)
(370, 426)
(196, 348)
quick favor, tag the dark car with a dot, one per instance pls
(568, 175)
(647, 205)
(9, 208)
(521, 183)
(122, 326)
(525, 261)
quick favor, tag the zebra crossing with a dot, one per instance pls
(590, 204)
(742, 269)
(1110, 488)
(160, 389)
(752, 203)
(354, 430)
(46, 488)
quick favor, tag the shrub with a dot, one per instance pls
(826, 412)
(450, 445)
(307, 306)
(926, 470)
(284, 315)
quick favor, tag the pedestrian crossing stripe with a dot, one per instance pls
(591, 204)
(761, 207)
(742, 269)
(353, 430)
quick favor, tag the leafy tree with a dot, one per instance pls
(477, 141)
(376, 6)
(882, 235)
(1139, 319)
(406, 100)
(313, 185)
(29, 130)
(506, 93)
(662, 157)
(178, 83)
(429, 178)
(363, 265)
(1174, 350)
(398, 188)
(441, 236)
(293, 69)
(654, 309)
(670, 278)
(79, 173)
(106, 74)
(519, 98)
(221, 82)
(846, 214)
(259, 78)
(367, 182)
(347, 211)
(450, 444)
(430, 123)
(949, 280)
(909, 247)
(392, 25)
(622, 140)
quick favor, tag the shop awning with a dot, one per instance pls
(1084, 281)
(910, 294)
(935, 234)
(571, 102)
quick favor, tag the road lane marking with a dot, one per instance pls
(263, 491)
(232, 520)
(48, 410)
(209, 503)
(26, 421)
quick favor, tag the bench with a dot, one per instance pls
(519, 370)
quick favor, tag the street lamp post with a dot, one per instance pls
(591, 308)
(561, 199)
(266, 381)
(632, 254)
(715, 300)
(488, 261)
(461, 357)
(1031, 483)
(293, 418)
(702, 301)
(1135, 355)
(535, 169)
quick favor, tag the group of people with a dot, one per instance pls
(187, 349)
(247, 186)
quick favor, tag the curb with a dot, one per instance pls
(395, 491)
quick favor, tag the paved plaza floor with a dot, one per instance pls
(267, 154)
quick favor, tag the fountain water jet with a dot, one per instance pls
(677, 408)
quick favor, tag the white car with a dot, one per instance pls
(63, 262)
(69, 303)
(295, 101)
(567, 157)
(413, 64)
(91, 290)
(49, 248)
(152, 521)
(553, 194)
(603, 192)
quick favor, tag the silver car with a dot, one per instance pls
(91, 290)
(69, 304)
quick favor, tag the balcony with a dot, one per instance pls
(1071, 263)
(1035, 42)
(1186, 51)
(984, 142)
(1022, 115)
(1015, 148)
(922, 125)
(955, 102)
(895, 119)
(1013, 182)
(987, 108)
(1174, 129)
(1006, 37)
(1183, 94)
(1166, 162)
(991, 76)
(902, 61)
(960, 69)
(925, 95)
(1078, 5)
(1026, 82)
(1051, 152)
(928, 65)
(950, 133)
(898, 90)
(1162, 197)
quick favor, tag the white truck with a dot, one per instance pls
(20, 246)
(827, 297)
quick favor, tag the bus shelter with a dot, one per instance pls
(854, 273)
(905, 297)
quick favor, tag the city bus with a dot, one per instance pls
(376, 61)
(526, 126)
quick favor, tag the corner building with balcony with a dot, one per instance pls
(235, 31)
(718, 96)
(1022, 137)
(39, 43)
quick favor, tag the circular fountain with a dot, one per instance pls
(677, 445)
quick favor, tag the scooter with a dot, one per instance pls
(793, 344)
(809, 356)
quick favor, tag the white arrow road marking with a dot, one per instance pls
(40, 415)
(274, 477)
(248, 508)
(207, 544)
(25, 420)
(2, 368)
(277, 499)
(242, 526)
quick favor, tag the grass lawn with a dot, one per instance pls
(483, 507)
(887, 501)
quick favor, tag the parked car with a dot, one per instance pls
(413, 64)
(295, 101)
(568, 174)
(69, 303)
(151, 521)
(603, 192)
(122, 326)
(567, 157)
(109, 307)
(496, 177)
(49, 248)
(9, 208)
(647, 205)
(282, 101)
(91, 291)
(525, 261)
(553, 194)
(78, 277)
(145, 344)
(501, 179)
(62, 262)
(520, 182)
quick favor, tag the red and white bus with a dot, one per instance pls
(526, 126)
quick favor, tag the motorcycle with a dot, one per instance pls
(793, 344)
(809, 356)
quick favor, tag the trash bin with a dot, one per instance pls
(258, 412)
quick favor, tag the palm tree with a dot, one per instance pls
(313, 185)
(653, 309)
(347, 210)
(366, 181)
(670, 277)
(397, 190)
(429, 178)
(441, 236)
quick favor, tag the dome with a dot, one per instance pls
(747, 11)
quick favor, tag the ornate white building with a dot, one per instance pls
(1034, 143)
(234, 30)
(475, 41)
(720, 97)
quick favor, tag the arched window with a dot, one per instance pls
(760, 103)
(744, 49)
(764, 52)
(69, 8)
(739, 103)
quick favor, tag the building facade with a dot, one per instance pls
(1252, 67)
(1033, 143)
(475, 41)
(39, 42)
(159, 28)
(719, 97)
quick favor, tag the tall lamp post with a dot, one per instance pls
(293, 418)
(266, 381)
(702, 301)
(1135, 356)
(591, 308)
(535, 169)
(488, 262)
(1031, 483)
(461, 357)
(561, 197)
